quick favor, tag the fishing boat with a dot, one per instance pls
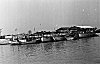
(14, 43)
(97, 31)
(46, 39)
(86, 31)
(68, 32)
(69, 37)
(59, 38)
(34, 41)
(4, 42)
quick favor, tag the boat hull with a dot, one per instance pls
(83, 35)
(46, 39)
(14, 42)
(59, 38)
(98, 34)
(32, 42)
(69, 38)
(4, 42)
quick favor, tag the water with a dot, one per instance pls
(82, 51)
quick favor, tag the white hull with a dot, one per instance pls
(22, 40)
(4, 41)
(57, 38)
(13, 42)
(98, 34)
(69, 38)
(86, 35)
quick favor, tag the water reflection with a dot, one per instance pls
(47, 48)
(82, 51)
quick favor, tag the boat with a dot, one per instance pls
(34, 41)
(97, 31)
(4, 42)
(86, 31)
(69, 37)
(47, 39)
(59, 38)
(14, 43)
(82, 35)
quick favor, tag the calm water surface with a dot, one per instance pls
(82, 51)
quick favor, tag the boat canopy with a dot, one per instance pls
(85, 26)
(63, 28)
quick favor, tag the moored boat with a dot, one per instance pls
(14, 42)
(4, 42)
(86, 31)
(34, 41)
(82, 35)
(59, 38)
(97, 31)
(69, 38)
(46, 39)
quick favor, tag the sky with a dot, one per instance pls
(19, 16)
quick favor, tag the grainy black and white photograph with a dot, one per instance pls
(49, 31)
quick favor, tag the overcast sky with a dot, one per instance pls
(46, 14)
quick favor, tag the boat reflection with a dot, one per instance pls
(80, 51)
